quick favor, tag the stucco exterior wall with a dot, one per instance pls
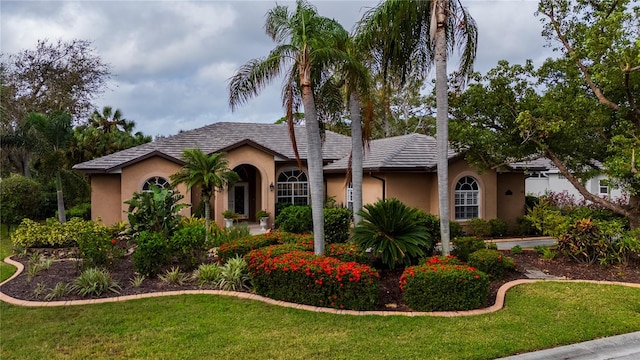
(134, 177)
(106, 198)
(511, 192)
(410, 188)
(488, 186)
(265, 175)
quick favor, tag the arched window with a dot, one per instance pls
(157, 181)
(293, 187)
(467, 199)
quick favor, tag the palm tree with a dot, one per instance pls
(307, 45)
(413, 35)
(110, 121)
(53, 133)
(209, 172)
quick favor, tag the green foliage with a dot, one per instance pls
(152, 254)
(53, 234)
(525, 227)
(295, 219)
(441, 287)
(305, 278)
(137, 280)
(393, 231)
(588, 241)
(20, 198)
(244, 245)
(499, 227)
(262, 214)
(336, 224)
(156, 210)
(60, 289)
(491, 262)
(547, 219)
(82, 211)
(234, 275)
(207, 274)
(479, 227)
(188, 245)
(94, 281)
(517, 249)
(465, 245)
(174, 276)
(97, 247)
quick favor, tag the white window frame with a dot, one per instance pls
(349, 196)
(467, 198)
(158, 181)
(292, 187)
(602, 186)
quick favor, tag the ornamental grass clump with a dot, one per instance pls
(440, 287)
(94, 281)
(305, 278)
(491, 262)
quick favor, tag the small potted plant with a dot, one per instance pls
(229, 216)
(263, 217)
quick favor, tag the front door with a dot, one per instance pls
(239, 199)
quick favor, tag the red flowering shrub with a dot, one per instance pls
(444, 260)
(491, 262)
(242, 246)
(305, 278)
(441, 287)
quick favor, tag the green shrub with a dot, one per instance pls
(547, 219)
(464, 246)
(432, 226)
(234, 275)
(53, 234)
(156, 210)
(588, 241)
(94, 281)
(305, 278)
(455, 230)
(295, 219)
(188, 246)
(525, 227)
(242, 246)
(336, 224)
(441, 287)
(626, 247)
(82, 211)
(174, 276)
(438, 259)
(20, 198)
(479, 227)
(499, 227)
(207, 274)
(97, 248)
(517, 249)
(491, 262)
(393, 231)
(152, 253)
(545, 252)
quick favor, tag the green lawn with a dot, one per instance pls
(537, 316)
(6, 270)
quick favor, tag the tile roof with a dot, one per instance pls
(220, 136)
(405, 152)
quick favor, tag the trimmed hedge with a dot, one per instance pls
(491, 262)
(53, 234)
(152, 254)
(298, 219)
(188, 245)
(305, 278)
(465, 245)
(243, 245)
(336, 224)
(441, 287)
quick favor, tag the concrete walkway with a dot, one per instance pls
(621, 347)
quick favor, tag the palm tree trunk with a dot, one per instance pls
(357, 155)
(62, 216)
(442, 123)
(314, 162)
(207, 216)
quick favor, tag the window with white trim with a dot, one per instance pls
(349, 196)
(467, 199)
(293, 187)
(603, 187)
(158, 181)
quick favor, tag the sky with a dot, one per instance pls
(171, 60)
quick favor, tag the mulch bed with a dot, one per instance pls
(390, 298)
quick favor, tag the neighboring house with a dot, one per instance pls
(403, 167)
(540, 182)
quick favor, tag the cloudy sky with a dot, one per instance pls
(171, 59)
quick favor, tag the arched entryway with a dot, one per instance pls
(245, 195)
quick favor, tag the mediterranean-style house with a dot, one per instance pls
(402, 167)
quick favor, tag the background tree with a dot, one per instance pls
(63, 76)
(20, 198)
(306, 45)
(410, 36)
(583, 115)
(209, 173)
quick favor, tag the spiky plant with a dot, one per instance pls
(94, 281)
(392, 230)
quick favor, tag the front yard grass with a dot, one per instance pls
(536, 316)
(6, 270)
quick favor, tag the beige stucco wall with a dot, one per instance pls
(105, 198)
(134, 177)
(266, 173)
(487, 181)
(511, 197)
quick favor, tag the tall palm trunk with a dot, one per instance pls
(357, 155)
(207, 215)
(442, 123)
(62, 216)
(314, 162)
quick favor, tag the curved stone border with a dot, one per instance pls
(499, 304)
